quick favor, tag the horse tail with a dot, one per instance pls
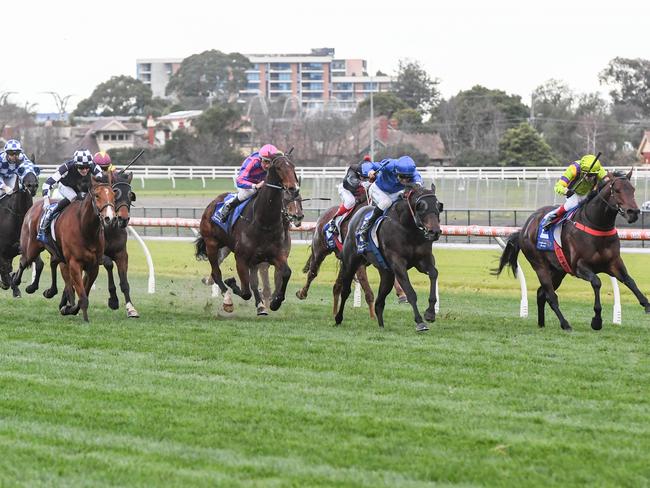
(201, 252)
(509, 255)
(305, 268)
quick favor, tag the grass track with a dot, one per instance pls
(183, 397)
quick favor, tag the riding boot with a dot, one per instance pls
(51, 212)
(332, 224)
(552, 216)
(222, 214)
(365, 228)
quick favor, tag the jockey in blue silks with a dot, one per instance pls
(391, 177)
(10, 160)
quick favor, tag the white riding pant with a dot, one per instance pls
(573, 201)
(382, 199)
(67, 192)
(245, 193)
(346, 196)
(10, 181)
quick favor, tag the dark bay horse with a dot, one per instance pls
(292, 214)
(258, 236)
(590, 244)
(115, 251)
(405, 238)
(13, 208)
(79, 246)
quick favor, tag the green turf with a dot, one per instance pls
(184, 397)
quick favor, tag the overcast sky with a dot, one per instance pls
(70, 46)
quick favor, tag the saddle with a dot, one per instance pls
(373, 240)
(233, 216)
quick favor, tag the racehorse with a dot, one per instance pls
(292, 215)
(115, 248)
(79, 243)
(590, 245)
(259, 235)
(405, 238)
(13, 208)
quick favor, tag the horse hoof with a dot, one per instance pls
(647, 308)
(430, 316)
(50, 292)
(567, 328)
(17, 293)
(421, 327)
(113, 303)
(30, 289)
(262, 311)
(4, 286)
(65, 310)
(131, 312)
(228, 307)
(402, 299)
(275, 304)
(301, 295)
(596, 323)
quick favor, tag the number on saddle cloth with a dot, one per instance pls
(545, 238)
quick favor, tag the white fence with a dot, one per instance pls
(454, 230)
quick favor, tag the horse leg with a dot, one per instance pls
(5, 273)
(386, 283)
(343, 284)
(83, 284)
(619, 271)
(316, 258)
(362, 277)
(33, 286)
(541, 304)
(399, 291)
(244, 273)
(67, 301)
(122, 262)
(259, 302)
(212, 250)
(282, 275)
(403, 278)
(53, 289)
(587, 274)
(113, 301)
(263, 273)
(432, 272)
(549, 283)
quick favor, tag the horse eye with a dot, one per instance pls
(118, 193)
(422, 206)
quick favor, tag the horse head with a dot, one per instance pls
(425, 209)
(28, 177)
(282, 172)
(124, 196)
(618, 195)
(103, 201)
(292, 208)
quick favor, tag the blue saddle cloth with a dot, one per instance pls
(371, 246)
(47, 237)
(545, 240)
(233, 216)
(330, 237)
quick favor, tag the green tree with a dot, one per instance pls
(408, 120)
(415, 87)
(523, 146)
(553, 109)
(630, 79)
(120, 95)
(207, 77)
(384, 103)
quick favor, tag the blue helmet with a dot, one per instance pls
(405, 167)
(13, 145)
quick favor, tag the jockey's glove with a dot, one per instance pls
(569, 193)
(46, 202)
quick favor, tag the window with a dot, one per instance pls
(338, 64)
(312, 76)
(280, 76)
(312, 86)
(120, 137)
(253, 76)
(106, 137)
(281, 86)
(343, 96)
(280, 66)
(342, 86)
(168, 69)
(312, 66)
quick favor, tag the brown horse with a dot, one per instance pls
(258, 236)
(590, 244)
(292, 215)
(79, 246)
(405, 240)
(115, 249)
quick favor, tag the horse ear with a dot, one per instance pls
(130, 177)
(629, 174)
(433, 187)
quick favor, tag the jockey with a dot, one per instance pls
(73, 178)
(575, 183)
(10, 159)
(391, 177)
(103, 160)
(250, 179)
(351, 189)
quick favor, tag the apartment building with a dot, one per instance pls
(313, 80)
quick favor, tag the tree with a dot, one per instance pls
(631, 81)
(408, 120)
(415, 87)
(523, 146)
(120, 95)
(384, 103)
(207, 77)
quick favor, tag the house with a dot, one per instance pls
(644, 148)
(104, 134)
(163, 126)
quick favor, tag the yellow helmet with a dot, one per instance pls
(586, 163)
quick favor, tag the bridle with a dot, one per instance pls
(126, 189)
(275, 160)
(98, 210)
(617, 207)
(413, 209)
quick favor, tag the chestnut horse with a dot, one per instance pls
(259, 235)
(590, 244)
(115, 249)
(13, 208)
(405, 238)
(79, 245)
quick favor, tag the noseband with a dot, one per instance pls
(99, 210)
